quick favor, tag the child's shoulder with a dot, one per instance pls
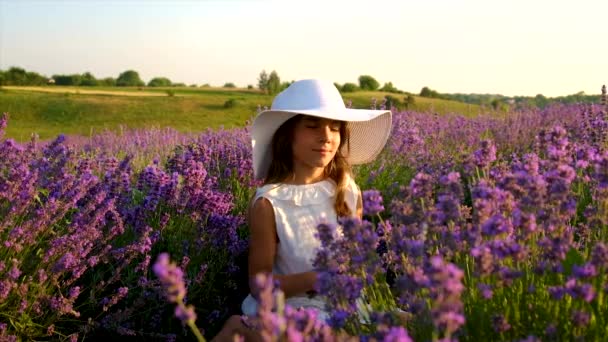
(263, 190)
(352, 184)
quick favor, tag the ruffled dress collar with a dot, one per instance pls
(301, 194)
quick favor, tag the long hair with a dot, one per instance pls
(281, 165)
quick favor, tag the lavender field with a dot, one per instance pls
(475, 228)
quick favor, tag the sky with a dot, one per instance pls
(507, 47)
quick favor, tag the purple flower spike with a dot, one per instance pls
(486, 154)
(171, 277)
(372, 202)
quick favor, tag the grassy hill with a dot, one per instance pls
(84, 111)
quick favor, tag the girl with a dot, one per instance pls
(303, 148)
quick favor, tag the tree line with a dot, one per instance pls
(498, 101)
(129, 78)
(270, 83)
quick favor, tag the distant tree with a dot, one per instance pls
(425, 92)
(16, 76)
(274, 83)
(179, 84)
(389, 87)
(206, 85)
(495, 104)
(349, 87)
(229, 85)
(409, 101)
(392, 101)
(108, 82)
(2, 78)
(263, 81)
(34, 78)
(129, 78)
(230, 103)
(428, 92)
(193, 85)
(159, 82)
(367, 82)
(67, 80)
(249, 86)
(541, 101)
(285, 85)
(87, 79)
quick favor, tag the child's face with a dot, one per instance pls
(315, 141)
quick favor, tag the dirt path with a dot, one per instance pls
(53, 89)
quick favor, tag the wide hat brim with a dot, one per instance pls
(369, 132)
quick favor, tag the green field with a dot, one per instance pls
(49, 111)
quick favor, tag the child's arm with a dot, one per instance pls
(359, 204)
(263, 241)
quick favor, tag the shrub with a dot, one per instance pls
(230, 103)
(129, 78)
(409, 101)
(367, 82)
(349, 87)
(159, 82)
(389, 87)
(392, 101)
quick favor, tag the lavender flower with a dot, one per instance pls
(372, 202)
(171, 277)
(580, 318)
(486, 154)
(500, 324)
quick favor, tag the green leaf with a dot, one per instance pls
(573, 257)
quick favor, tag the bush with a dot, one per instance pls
(159, 82)
(67, 80)
(349, 87)
(229, 85)
(87, 79)
(392, 101)
(82, 259)
(108, 82)
(427, 92)
(389, 87)
(230, 103)
(367, 82)
(409, 101)
(170, 92)
(129, 78)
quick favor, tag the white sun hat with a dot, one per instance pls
(369, 129)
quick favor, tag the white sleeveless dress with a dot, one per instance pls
(298, 209)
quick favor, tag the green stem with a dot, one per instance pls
(196, 332)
